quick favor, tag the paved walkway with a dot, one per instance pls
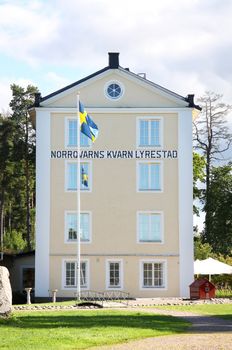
(206, 333)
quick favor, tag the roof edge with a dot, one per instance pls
(42, 99)
(189, 99)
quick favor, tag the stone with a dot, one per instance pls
(5, 292)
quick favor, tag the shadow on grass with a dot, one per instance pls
(137, 320)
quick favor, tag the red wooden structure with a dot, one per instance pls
(202, 289)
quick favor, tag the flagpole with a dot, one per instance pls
(78, 203)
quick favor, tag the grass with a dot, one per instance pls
(82, 329)
(217, 310)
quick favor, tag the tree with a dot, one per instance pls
(212, 138)
(201, 250)
(7, 137)
(21, 101)
(198, 177)
(219, 233)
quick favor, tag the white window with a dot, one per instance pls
(85, 176)
(114, 274)
(153, 274)
(149, 176)
(70, 274)
(149, 132)
(72, 134)
(71, 227)
(150, 227)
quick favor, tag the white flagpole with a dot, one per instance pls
(78, 204)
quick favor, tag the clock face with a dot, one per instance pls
(114, 90)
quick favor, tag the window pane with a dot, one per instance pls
(72, 226)
(154, 133)
(84, 140)
(114, 274)
(85, 166)
(158, 275)
(72, 135)
(143, 227)
(149, 227)
(154, 176)
(149, 132)
(72, 132)
(153, 275)
(84, 226)
(83, 274)
(72, 176)
(147, 275)
(149, 176)
(144, 133)
(155, 229)
(143, 177)
(70, 279)
(70, 274)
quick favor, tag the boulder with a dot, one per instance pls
(5, 292)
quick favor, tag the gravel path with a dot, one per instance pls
(206, 333)
(218, 341)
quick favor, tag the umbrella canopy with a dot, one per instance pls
(211, 266)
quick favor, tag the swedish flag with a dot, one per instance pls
(88, 127)
(84, 177)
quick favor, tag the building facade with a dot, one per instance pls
(136, 212)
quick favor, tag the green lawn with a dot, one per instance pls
(217, 310)
(82, 329)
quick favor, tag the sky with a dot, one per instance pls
(183, 45)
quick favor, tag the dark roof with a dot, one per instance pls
(74, 84)
(114, 64)
(20, 255)
(200, 282)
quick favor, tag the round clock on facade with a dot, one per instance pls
(113, 90)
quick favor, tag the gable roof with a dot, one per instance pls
(114, 64)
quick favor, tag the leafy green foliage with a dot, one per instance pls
(219, 232)
(198, 177)
(201, 250)
(17, 169)
(13, 242)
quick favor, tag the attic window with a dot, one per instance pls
(113, 90)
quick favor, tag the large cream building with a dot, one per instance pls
(136, 212)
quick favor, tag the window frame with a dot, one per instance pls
(160, 162)
(165, 277)
(108, 261)
(161, 214)
(68, 241)
(106, 88)
(67, 145)
(151, 117)
(90, 176)
(74, 288)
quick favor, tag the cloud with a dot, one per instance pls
(185, 45)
